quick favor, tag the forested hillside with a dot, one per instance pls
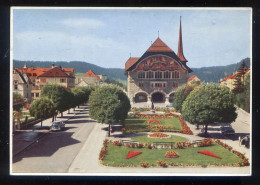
(206, 74)
(215, 73)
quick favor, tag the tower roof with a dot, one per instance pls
(159, 46)
(180, 47)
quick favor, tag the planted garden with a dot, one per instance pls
(155, 123)
(208, 152)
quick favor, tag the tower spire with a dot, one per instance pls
(180, 47)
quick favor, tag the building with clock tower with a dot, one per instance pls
(155, 76)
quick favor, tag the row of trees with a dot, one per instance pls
(108, 104)
(206, 104)
(55, 98)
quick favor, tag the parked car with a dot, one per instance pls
(57, 125)
(245, 141)
(227, 130)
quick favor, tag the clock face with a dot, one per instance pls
(162, 63)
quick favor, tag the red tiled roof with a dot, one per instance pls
(192, 77)
(54, 72)
(68, 70)
(159, 46)
(131, 61)
(89, 73)
(230, 77)
(35, 72)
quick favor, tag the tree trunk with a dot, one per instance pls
(197, 126)
(53, 118)
(206, 129)
(109, 130)
(68, 111)
(61, 114)
(41, 122)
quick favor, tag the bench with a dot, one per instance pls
(171, 144)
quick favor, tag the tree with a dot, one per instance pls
(208, 104)
(180, 96)
(42, 108)
(242, 99)
(239, 79)
(108, 104)
(18, 101)
(59, 96)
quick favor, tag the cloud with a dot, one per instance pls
(79, 22)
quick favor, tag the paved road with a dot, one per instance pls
(55, 151)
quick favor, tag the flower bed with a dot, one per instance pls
(245, 161)
(153, 121)
(205, 142)
(103, 151)
(132, 154)
(171, 154)
(144, 164)
(209, 153)
(160, 135)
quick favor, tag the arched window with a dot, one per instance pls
(175, 74)
(166, 74)
(158, 74)
(141, 74)
(149, 74)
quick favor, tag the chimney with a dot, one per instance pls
(24, 66)
(53, 65)
(32, 68)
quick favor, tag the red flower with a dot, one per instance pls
(208, 153)
(132, 154)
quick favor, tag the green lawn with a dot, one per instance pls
(116, 156)
(134, 125)
(145, 139)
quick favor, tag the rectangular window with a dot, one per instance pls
(32, 95)
(37, 94)
(175, 84)
(15, 87)
(62, 80)
(158, 74)
(141, 85)
(158, 84)
(141, 74)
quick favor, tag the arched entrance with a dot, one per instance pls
(171, 97)
(158, 97)
(140, 97)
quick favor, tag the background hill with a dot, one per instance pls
(215, 73)
(206, 74)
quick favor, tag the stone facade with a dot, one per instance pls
(155, 76)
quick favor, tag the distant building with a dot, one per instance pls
(41, 76)
(157, 74)
(22, 84)
(90, 79)
(193, 79)
(229, 81)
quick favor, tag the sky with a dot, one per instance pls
(108, 37)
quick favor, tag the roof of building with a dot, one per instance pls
(192, 77)
(131, 61)
(55, 72)
(159, 46)
(90, 73)
(233, 76)
(35, 72)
